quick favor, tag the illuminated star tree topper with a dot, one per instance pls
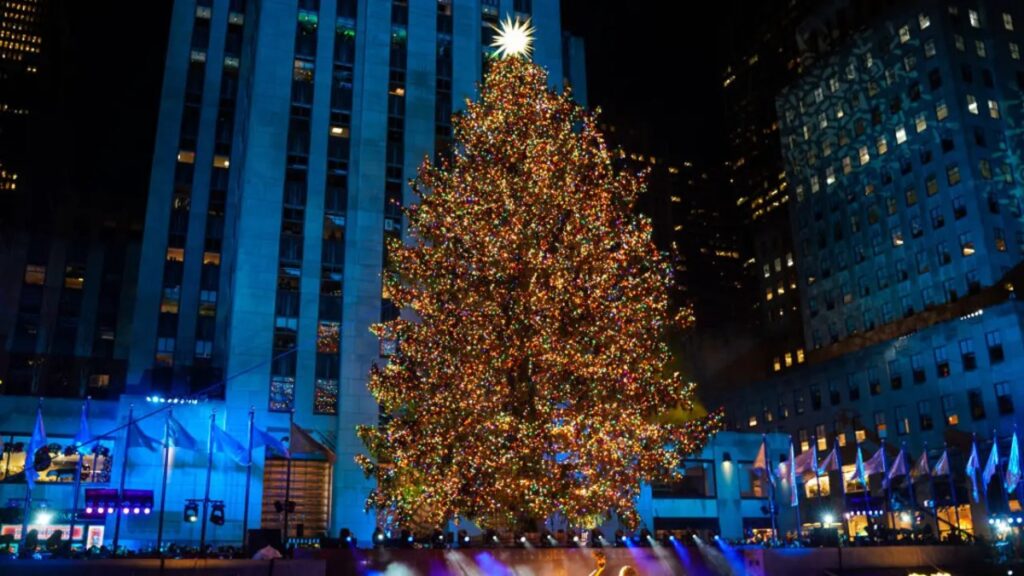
(529, 377)
(514, 38)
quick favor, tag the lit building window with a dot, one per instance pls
(958, 41)
(799, 355)
(35, 274)
(165, 351)
(776, 364)
(904, 34)
(847, 165)
(929, 48)
(923, 21)
(74, 277)
(865, 157)
(941, 111)
(819, 94)
(1008, 21)
(186, 157)
(966, 244)
(221, 162)
(839, 111)
(175, 255)
(901, 135)
(1014, 51)
(975, 20)
(204, 348)
(993, 109)
(788, 359)
(211, 258)
(340, 131)
(953, 174)
(882, 145)
(920, 123)
(830, 175)
(972, 104)
(979, 47)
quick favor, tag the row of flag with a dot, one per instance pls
(300, 441)
(807, 463)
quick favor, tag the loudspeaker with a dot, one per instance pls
(262, 537)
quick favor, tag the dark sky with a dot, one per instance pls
(653, 66)
(657, 66)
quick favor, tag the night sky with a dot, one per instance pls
(655, 69)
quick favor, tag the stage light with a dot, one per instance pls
(905, 517)
(437, 539)
(146, 510)
(136, 510)
(828, 518)
(126, 510)
(491, 538)
(407, 538)
(217, 513)
(547, 539)
(620, 538)
(44, 518)
(991, 521)
(191, 511)
(378, 537)
(463, 538)
(88, 509)
(110, 510)
(645, 537)
(597, 539)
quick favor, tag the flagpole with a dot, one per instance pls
(124, 474)
(771, 486)
(248, 482)
(817, 476)
(163, 489)
(78, 482)
(28, 485)
(910, 489)
(887, 485)
(795, 486)
(1002, 475)
(952, 488)
(206, 496)
(288, 474)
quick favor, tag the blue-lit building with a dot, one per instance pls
(903, 157)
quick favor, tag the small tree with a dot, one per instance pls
(529, 377)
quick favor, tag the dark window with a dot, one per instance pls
(1004, 398)
(995, 347)
(967, 354)
(976, 403)
(924, 413)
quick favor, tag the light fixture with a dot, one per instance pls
(191, 511)
(726, 457)
(44, 518)
(378, 537)
(828, 518)
(217, 513)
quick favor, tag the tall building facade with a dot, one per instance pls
(903, 161)
(288, 131)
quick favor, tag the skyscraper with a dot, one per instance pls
(902, 156)
(287, 133)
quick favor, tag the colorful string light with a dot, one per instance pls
(529, 373)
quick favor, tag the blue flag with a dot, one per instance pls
(264, 438)
(83, 435)
(139, 439)
(858, 474)
(37, 442)
(1013, 466)
(223, 442)
(178, 436)
(973, 463)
